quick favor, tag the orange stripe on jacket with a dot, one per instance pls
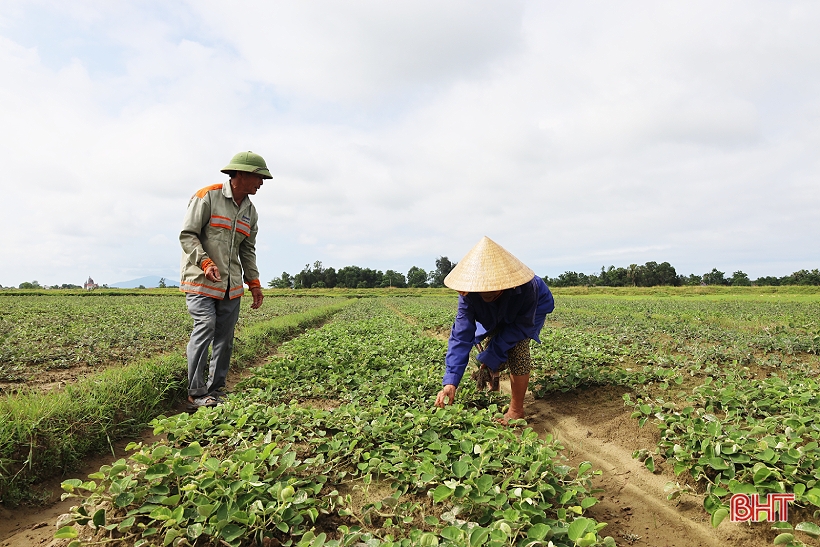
(201, 193)
(201, 285)
(220, 222)
(253, 283)
(243, 232)
(220, 297)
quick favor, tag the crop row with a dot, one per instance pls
(43, 434)
(731, 385)
(47, 332)
(335, 442)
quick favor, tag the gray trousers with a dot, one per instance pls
(214, 322)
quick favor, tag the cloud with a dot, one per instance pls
(572, 134)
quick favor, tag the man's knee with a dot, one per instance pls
(205, 324)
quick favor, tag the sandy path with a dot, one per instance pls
(595, 426)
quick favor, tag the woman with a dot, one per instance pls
(502, 304)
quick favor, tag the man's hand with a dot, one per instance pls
(446, 396)
(257, 298)
(212, 273)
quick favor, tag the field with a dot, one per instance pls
(648, 411)
(46, 341)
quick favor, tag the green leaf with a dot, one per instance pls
(248, 455)
(589, 539)
(761, 475)
(783, 539)
(66, 532)
(538, 531)
(170, 536)
(483, 483)
(124, 499)
(231, 532)
(160, 513)
(191, 451)
(205, 510)
(157, 471)
(126, 524)
(586, 503)
(460, 469)
(452, 533)
(70, 484)
(809, 528)
(578, 528)
(441, 493)
(99, 518)
(718, 516)
(478, 536)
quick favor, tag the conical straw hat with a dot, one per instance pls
(488, 267)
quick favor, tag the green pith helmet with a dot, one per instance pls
(250, 162)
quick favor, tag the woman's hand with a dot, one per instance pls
(446, 396)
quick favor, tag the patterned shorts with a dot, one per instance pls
(518, 358)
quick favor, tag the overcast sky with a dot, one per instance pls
(574, 134)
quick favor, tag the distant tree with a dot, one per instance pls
(30, 285)
(416, 277)
(715, 278)
(349, 277)
(393, 279)
(283, 282)
(161, 283)
(612, 277)
(694, 279)
(802, 277)
(306, 278)
(443, 267)
(330, 278)
(141, 287)
(572, 279)
(767, 280)
(69, 286)
(740, 279)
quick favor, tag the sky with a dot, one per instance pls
(574, 134)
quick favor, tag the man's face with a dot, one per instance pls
(248, 183)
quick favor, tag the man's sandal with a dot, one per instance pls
(204, 401)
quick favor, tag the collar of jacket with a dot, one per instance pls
(227, 191)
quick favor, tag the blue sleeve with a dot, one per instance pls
(520, 328)
(462, 339)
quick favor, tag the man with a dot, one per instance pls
(502, 304)
(218, 244)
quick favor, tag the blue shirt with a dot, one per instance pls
(517, 314)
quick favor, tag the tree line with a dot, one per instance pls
(653, 274)
(650, 274)
(355, 277)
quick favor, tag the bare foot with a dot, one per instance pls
(510, 415)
